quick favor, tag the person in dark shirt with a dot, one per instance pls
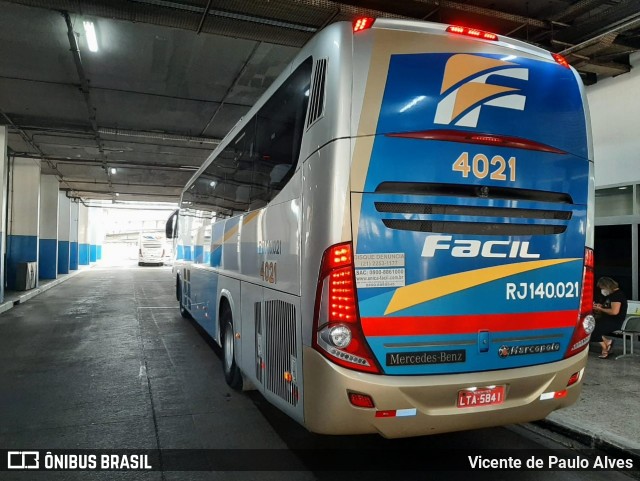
(609, 319)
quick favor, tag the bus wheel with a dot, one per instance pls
(183, 310)
(231, 372)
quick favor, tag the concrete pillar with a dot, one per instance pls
(93, 234)
(4, 166)
(24, 195)
(100, 233)
(83, 235)
(73, 235)
(48, 238)
(64, 229)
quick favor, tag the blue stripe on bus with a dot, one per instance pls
(475, 360)
(494, 297)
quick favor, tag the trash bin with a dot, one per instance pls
(26, 276)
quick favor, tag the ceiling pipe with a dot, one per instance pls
(158, 136)
(35, 146)
(204, 17)
(620, 28)
(465, 7)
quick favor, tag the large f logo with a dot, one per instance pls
(462, 102)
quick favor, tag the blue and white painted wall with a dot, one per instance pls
(99, 226)
(73, 235)
(24, 213)
(84, 245)
(3, 203)
(48, 238)
(93, 234)
(64, 228)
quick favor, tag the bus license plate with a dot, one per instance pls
(485, 396)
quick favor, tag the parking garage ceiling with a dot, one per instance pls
(135, 119)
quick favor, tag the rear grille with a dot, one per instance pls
(473, 228)
(473, 191)
(406, 208)
(510, 223)
(280, 349)
(257, 312)
(316, 100)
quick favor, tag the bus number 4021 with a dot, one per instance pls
(497, 168)
(269, 272)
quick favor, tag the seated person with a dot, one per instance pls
(609, 319)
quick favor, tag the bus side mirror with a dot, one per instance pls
(171, 228)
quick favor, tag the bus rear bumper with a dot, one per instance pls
(428, 404)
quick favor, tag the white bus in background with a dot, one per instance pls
(397, 238)
(151, 249)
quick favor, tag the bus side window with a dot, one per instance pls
(280, 126)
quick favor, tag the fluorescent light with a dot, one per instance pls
(113, 170)
(117, 194)
(92, 40)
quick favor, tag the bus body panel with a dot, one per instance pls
(325, 183)
(467, 258)
(277, 356)
(474, 292)
(419, 405)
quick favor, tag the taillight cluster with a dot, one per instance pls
(586, 321)
(362, 23)
(561, 60)
(472, 32)
(337, 330)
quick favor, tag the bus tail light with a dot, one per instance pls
(586, 321)
(475, 138)
(362, 23)
(561, 60)
(337, 331)
(361, 400)
(472, 32)
(575, 377)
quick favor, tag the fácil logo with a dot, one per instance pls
(23, 460)
(466, 87)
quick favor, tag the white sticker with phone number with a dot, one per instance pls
(380, 278)
(392, 259)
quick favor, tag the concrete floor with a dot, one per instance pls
(608, 410)
(104, 361)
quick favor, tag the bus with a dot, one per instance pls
(397, 237)
(150, 249)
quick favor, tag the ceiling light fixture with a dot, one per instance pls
(92, 40)
(113, 170)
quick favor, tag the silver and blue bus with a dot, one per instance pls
(397, 238)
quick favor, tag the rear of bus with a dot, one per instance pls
(150, 250)
(471, 216)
